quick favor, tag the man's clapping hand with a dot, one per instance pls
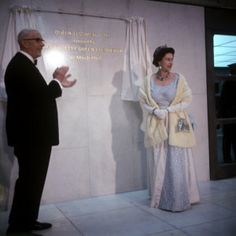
(61, 75)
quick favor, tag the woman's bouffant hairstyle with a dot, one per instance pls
(160, 52)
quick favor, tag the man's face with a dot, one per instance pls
(33, 44)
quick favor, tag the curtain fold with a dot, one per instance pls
(137, 62)
(20, 18)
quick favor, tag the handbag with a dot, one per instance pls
(182, 125)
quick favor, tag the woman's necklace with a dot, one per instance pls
(162, 78)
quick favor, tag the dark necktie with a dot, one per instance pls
(35, 62)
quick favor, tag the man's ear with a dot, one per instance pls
(25, 43)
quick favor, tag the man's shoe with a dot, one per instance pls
(40, 226)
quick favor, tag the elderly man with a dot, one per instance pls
(32, 127)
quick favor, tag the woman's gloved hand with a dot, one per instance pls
(160, 113)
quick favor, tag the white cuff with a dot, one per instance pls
(55, 79)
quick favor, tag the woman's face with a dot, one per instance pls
(167, 62)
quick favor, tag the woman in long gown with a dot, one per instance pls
(164, 98)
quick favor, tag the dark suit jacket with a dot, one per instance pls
(31, 107)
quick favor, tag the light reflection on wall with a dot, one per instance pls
(54, 58)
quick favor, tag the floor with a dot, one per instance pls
(129, 214)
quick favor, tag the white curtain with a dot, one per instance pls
(20, 18)
(137, 62)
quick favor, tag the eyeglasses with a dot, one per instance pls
(38, 40)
